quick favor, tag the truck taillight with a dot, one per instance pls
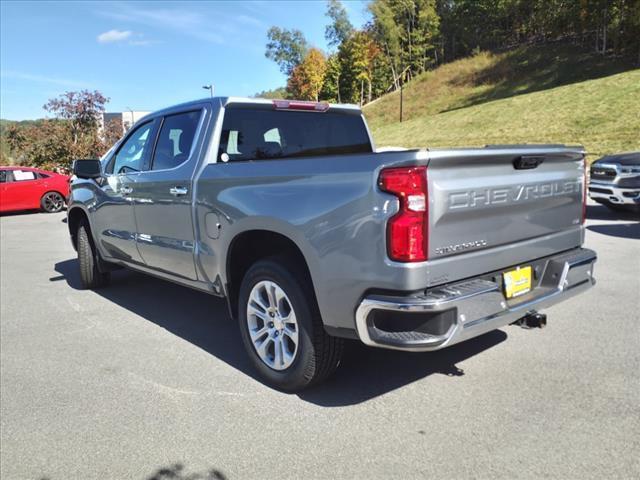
(407, 230)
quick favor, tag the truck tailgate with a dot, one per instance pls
(487, 198)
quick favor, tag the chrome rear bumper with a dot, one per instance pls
(474, 306)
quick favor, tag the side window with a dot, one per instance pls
(130, 157)
(175, 140)
(5, 176)
(41, 175)
(23, 175)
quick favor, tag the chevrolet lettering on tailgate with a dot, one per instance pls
(511, 195)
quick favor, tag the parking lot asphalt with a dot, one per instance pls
(146, 379)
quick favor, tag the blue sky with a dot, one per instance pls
(145, 55)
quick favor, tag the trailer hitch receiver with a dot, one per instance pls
(532, 319)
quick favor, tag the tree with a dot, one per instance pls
(607, 26)
(331, 86)
(408, 37)
(359, 65)
(358, 60)
(276, 93)
(73, 133)
(407, 30)
(112, 131)
(81, 109)
(306, 80)
(43, 144)
(388, 33)
(340, 28)
(286, 47)
(426, 34)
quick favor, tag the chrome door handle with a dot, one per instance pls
(178, 191)
(126, 190)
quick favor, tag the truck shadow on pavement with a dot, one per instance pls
(366, 373)
(177, 472)
(622, 230)
(20, 213)
(600, 212)
(203, 320)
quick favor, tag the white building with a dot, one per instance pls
(126, 119)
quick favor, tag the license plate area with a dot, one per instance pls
(517, 282)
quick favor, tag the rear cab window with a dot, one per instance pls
(250, 133)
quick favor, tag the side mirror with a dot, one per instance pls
(87, 168)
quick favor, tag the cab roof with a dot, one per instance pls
(257, 102)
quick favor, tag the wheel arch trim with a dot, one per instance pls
(72, 212)
(233, 243)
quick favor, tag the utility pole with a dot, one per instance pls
(210, 88)
(401, 84)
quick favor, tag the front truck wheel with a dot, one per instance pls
(281, 326)
(90, 276)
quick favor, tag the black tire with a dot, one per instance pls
(90, 276)
(52, 202)
(318, 354)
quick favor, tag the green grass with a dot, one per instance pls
(528, 95)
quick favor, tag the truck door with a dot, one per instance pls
(113, 220)
(163, 196)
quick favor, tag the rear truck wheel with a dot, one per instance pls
(90, 276)
(281, 326)
(52, 202)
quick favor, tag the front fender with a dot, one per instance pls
(82, 200)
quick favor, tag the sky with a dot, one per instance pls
(146, 55)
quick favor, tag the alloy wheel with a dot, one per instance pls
(52, 202)
(272, 323)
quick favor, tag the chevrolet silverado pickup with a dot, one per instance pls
(286, 209)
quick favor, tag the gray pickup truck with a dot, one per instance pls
(286, 209)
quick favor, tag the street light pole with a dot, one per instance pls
(210, 88)
(131, 113)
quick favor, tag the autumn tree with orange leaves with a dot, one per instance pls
(306, 79)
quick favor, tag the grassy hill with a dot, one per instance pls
(556, 94)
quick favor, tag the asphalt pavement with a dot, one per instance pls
(146, 379)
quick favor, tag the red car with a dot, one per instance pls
(26, 188)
